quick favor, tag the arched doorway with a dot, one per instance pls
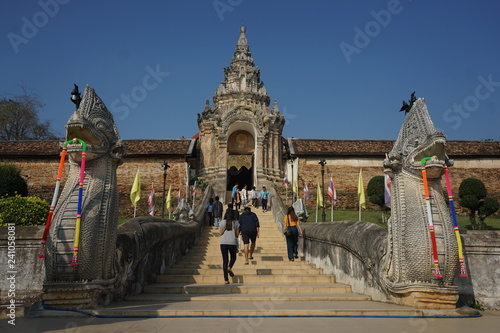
(240, 159)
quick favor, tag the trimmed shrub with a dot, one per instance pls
(473, 195)
(23, 211)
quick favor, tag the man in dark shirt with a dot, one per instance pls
(217, 209)
(250, 230)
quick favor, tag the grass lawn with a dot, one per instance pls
(493, 223)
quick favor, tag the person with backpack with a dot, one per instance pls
(209, 209)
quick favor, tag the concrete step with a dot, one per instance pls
(242, 271)
(333, 297)
(277, 307)
(263, 267)
(246, 279)
(242, 288)
(259, 249)
(218, 259)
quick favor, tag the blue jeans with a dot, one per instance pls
(264, 204)
(217, 221)
(292, 242)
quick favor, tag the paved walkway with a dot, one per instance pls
(489, 322)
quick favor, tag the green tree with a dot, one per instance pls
(19, 119)
(375, 192)
(473, 196)
(11, 182)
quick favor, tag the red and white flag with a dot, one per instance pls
(332, 192)
(307, 194)
(285, 181)
(194, 188)
(151, 201)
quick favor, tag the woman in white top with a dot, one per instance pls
(229, 230)
(244, 195)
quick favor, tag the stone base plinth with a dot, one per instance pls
(427, 300)
(79, 295)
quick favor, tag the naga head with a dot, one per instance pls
(418, 139)
(94, 124)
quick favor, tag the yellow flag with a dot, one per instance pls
(361, 191)
(135, 193)
(168, 202)
(319, 197)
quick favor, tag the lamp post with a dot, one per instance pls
(165, 166)
(322, 162)
(292, 161)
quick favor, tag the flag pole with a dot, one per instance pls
(332, 212)
(194, 194)
(317, 210)
(317, 203)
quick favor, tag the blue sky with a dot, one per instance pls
(338, 69)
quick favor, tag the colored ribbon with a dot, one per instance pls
(41, 252)
(463, 271)
(74, 261)
(437, 272)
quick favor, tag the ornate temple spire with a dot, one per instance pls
(242, 41)
(242, 54)
(241, 78)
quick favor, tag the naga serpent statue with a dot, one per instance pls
(415, 261)
(93, 124)
(422, 254)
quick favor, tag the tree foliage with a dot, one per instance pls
(11, 182)
(23, 211)
(473, 196)
(376, 195)
(19, 119)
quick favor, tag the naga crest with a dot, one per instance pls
(94, 124)
(417, 139)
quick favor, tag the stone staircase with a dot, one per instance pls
(270, 285)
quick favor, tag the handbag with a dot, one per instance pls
(287, 230)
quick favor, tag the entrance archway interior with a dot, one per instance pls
(240, 159)
(242, 176)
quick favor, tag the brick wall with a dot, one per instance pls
(345, 173)
(151, 171)
(40, 173)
